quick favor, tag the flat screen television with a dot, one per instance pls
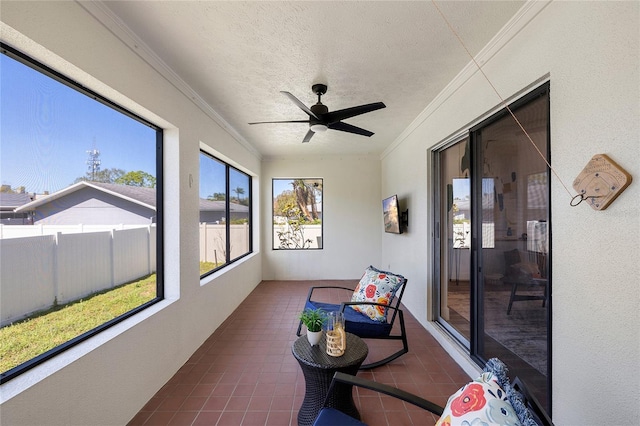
(391, 215)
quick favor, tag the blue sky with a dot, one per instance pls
(212, 178)
(46, 129)
(461, 188)
(283, 184)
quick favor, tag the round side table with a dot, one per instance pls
(318, 368)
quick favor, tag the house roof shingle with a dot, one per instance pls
(138, 195)
(9, 201)
(210, 205)
(135, 194)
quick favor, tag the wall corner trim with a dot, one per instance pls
(519, 21)
(113, 23)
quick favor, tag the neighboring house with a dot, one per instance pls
(214, 211)
(96, 203)
(9, 202)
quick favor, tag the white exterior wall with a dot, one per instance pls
(107, 379)
(103, 208)
(590, 52)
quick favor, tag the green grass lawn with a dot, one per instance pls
(208, 266)
(24, 340)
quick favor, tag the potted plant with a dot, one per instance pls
(313, 319)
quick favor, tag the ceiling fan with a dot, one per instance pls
(320, 119)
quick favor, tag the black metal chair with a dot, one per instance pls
(329, 416)
(524, 275)
(363, 326)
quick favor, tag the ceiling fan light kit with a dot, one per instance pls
(318, 128)
(320, 119)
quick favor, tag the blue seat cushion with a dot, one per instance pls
(333, 417)
(355, 322)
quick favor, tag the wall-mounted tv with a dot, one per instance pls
(391, 215)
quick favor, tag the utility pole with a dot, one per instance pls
(93, 163)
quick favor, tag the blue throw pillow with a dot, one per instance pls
(500, 371)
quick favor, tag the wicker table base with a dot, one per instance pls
(318, 369)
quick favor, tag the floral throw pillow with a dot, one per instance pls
(379, 287)
(479, 403)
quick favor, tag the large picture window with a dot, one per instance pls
(225, 214)
(81, 231)
(297, 214)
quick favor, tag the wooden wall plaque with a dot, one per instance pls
(601, 181)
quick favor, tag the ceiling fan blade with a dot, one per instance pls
(344, 127)
(343, 114)
(308, 136)
(288, 121)
(300, 104)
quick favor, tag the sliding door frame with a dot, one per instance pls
(475, 344)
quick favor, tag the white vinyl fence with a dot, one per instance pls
(310, 232)
(213, 237)
(37, 272)
(17, 231)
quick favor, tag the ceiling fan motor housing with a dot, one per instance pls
(318, 124)
(319, 110)
(319, 89)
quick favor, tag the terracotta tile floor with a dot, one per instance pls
(245, 374)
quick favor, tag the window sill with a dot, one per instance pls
(48, 368)
(220, 272)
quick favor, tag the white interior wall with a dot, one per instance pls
(107, 379)
(351, 214)
(590, 52)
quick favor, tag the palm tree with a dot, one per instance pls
(305, 192)
(239, 191)
(316, 189)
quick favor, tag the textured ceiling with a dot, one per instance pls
(238, 56)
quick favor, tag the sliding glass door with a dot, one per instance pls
(455, 240)
(493, 250)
